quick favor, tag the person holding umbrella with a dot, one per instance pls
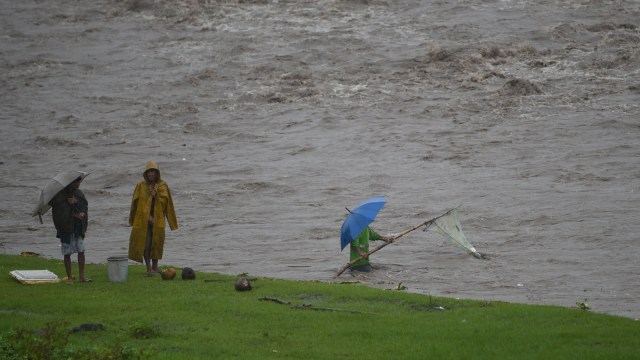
(355, 231)
(70, 209)
(150, 205)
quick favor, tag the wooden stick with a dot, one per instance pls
(426, 223)
(269, 298)
(226, 280)
(309, 306)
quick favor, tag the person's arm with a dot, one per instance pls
(362, 253)
(81, 205)
(375, 236)
(355, 244)
(170, 212)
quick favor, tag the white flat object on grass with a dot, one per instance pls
(35, 276)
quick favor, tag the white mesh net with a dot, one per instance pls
(448, 225)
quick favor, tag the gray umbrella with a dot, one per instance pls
(53, 187)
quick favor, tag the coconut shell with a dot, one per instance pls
(188, 274)
(168, 274)
(243, 284)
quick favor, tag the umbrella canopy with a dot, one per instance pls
(359, 218)
(53, 187)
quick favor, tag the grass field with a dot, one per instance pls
(206, 318)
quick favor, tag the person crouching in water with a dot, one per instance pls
(151, 204)
(69, 209)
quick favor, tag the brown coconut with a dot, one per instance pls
(168, 274)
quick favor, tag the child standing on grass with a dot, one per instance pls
(70, 213)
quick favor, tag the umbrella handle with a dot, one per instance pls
(425, 223)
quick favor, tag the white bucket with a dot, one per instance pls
(118, 268)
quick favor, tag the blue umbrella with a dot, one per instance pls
(359, 218)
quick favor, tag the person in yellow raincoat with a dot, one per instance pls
(150, 205)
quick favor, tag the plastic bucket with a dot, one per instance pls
(118, 268)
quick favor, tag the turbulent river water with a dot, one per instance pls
(269, 117)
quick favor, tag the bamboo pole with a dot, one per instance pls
(379, 247)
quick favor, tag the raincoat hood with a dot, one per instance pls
(151, 165)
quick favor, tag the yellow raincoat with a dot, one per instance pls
(139, 215)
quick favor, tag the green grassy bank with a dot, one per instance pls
(207, 318)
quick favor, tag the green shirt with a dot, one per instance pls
(362, 241)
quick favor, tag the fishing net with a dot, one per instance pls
(448, 225)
